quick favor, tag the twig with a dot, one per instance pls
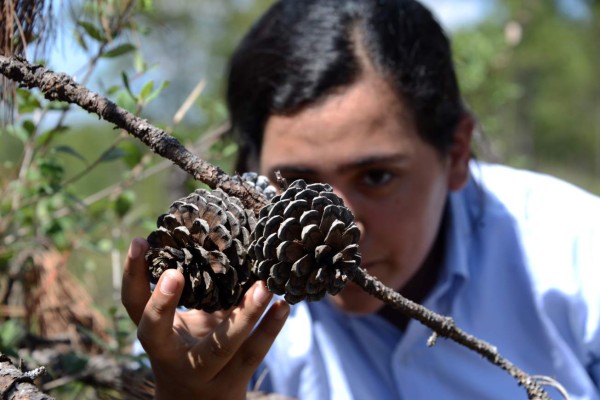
(189, 101)
(547, 381)
(445, 327)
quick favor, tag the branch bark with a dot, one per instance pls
(18, 385)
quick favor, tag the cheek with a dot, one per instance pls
(408, 224)
(389, 229)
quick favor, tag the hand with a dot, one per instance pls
(196, 355)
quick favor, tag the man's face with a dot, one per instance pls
(363, 141)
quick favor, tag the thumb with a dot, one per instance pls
(156, 324)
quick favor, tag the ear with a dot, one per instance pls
(459, 153)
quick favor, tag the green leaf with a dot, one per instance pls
(27, 101)
(139, 63)
(80, 40)
(127, 86)
(5, 259)
(106, 245)
(92, 31)
(119, 50)
(69, 150)
(147, 5)
(29, 127)
(124, 100)
(155, 94)
(133, 153)
(146, 90)
(113, 89)
(52, 170)
(230, 150)
(56, 232)
(112, 154)
(124, 202)
(11, 333)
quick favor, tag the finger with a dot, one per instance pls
(255, 348)
(135, 290)
(156, 324)
(218, 349)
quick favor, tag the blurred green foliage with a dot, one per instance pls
(529, 73)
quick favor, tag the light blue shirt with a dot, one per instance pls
(521, 271)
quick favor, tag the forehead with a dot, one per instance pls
(363, 121)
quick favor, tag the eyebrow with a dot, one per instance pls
(354, 164)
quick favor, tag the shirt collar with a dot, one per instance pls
(465, 208)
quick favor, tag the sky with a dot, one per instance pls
(453, 14)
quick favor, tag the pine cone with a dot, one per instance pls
(305, 243)
(205, 236)
(259, 182)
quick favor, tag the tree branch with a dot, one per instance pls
(445, 327)
(61, 87)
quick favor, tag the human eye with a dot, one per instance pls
(375, 178)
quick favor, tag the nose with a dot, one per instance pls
(354, 204)
(363, 232)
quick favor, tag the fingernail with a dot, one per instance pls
(134, 249)
(261, 295)
(168, 284)
(281, 312)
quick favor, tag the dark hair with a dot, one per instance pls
(300, 51)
